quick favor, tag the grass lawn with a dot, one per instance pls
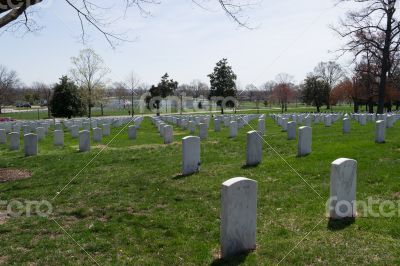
(24, 114)
(130, 206)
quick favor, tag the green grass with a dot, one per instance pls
(26, 115)
(132, 207)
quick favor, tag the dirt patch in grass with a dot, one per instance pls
(7, 174)
(4, 260)
(3, 219)
(396, 195)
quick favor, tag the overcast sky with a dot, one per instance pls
(180, 38)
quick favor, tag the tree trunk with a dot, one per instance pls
(385, 61)
(370, 106)
(318, 108)
(90, 103)
(158, 107)
(133, 112)
(389, 106)
(102, 109)
(355, 107)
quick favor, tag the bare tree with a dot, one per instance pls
(132, 83)
(254, 95)
(89, 72)
(284, 78)
(17, 14)
(8, 82)
(120, 91)
(267, 89)
(199, 88)
(99, 97)
(283, 91)
(45, 92)
(332, 73)
(373, 28)
(142, 88)
(366, 76)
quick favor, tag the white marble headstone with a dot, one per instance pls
(343, 189)
(238, 216)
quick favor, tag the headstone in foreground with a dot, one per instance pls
(238, 216)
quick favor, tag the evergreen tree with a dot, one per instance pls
(222, 82)
(66, 101)
(315, 91)
(165, 88)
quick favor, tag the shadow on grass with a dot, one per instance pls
(249, 166)
(337, 225)
(231, 261)
(182, 176)
(302, 156)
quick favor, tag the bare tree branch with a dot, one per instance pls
(14, 12)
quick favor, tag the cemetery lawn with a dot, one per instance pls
(131, 206)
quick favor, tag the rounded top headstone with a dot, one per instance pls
(237, 180)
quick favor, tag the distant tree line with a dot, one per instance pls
(327, 85)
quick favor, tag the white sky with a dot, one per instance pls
(291, 36)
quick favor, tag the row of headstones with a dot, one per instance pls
(75, 125)
(26, 126)
(31, 140)
(305, 132)
(185, 121)
(328, 119)
(305, 119)
(389, 118)
(386, 121)
(98, 133)
(234, 122)
(382, 121)
(41, 127)
(254, 138)
(239, 206)
(191, 149)
(166, 131)
(29, 126)
(191, 144)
